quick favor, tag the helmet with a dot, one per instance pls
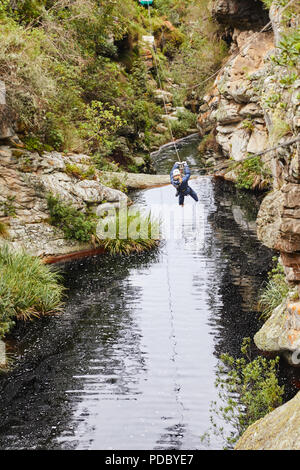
(176, 172)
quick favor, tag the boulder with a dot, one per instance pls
(281, 332)
(278, 430)
(26, 179)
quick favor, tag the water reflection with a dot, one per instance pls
(131, 363)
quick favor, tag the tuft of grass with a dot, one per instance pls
(80, 173)
(274, 292)
(28, 288)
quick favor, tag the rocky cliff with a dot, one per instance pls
(254, 105)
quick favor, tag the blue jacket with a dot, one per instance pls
(183, 187)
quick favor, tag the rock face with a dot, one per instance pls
(6, 129)
(25, 181)
(232, 106)
(279, 430)
(254, 105)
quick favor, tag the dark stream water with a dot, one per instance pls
(132, 361)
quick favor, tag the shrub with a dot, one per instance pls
(75, 224)
(289, 54)
(28, 288)
(252, 174)
(249, 390)
(186, 121)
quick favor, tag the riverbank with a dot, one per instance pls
(26, 181)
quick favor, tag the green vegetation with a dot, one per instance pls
(248, 124)
(28, 289)
(208, 143)
(3, 230)
(201, 51)
(75, 224)
(147, 238)
(249, 390)
(252, 174)
(115, 182)
(279, 129)
(76, 76)
(186, 120)
(275, 290)
(8, 206)
(289, 50)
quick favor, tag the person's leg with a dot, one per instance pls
(193, 194)
(181, 199)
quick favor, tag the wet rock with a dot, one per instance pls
(278, 430)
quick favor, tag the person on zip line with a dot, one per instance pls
(179, 176)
